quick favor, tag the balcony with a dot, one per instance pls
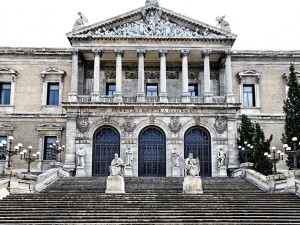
(216, 100)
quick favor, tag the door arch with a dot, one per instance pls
(197, 140)
(106, 142)
(152, 152)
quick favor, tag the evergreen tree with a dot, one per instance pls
(261, 164)
(291, 109)
(247, 131)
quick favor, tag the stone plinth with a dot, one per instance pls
(80, 171)
(222, 171)
(115, 185)
(192, 185)
(175, 172)
(128, 171)
(56, 164)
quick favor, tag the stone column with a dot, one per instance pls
(185, 76)
(207, 89)
(141, 75)
(74, 80)
(96, 88)
(118, 93)
(228, 76)
(163, 76)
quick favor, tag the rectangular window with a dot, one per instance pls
(5, 89)
(49, 154)
(110, 89)
(3, 150)
(249, 96)
(152, 90)
(53, 94)
(193, 89)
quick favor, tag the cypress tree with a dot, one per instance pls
(261, 164)
(246, 131)
(291, 109)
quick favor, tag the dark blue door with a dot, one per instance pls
(197, 140)
(106, 144)
(152, 152)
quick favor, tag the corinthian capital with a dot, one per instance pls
(163, 52)
(141, 52)
(184, 53)
(97, 52)
(119, 52)
(206, 52)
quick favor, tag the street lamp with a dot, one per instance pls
(293, 153)
(274, 159)
(246, 150)
(58, 149)
(10, 151)
(26, 155)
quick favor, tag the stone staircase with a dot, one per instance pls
(150, 200)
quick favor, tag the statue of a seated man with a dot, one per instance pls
(117, 166)
(192, 166)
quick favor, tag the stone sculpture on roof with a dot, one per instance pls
(79, 23)
(223, 24)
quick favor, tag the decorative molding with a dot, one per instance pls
(83, 124)
(129, 124)
(7, 127)
(193, 75)
(110, 74)
(50, 127)
(197, 119)
(174, 125)
(172, 75)
(9, 71)
(249, 74)
(106, 119)
(53, 71)
(221, 124)
(131, 75)
(152, 75)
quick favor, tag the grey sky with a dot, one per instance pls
(259, 24)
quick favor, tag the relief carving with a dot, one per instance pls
(129, 124)
(83, 124)
(175, 125)
(221, 124)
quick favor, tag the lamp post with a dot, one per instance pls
(293, 153)
(274, 159)
(58, 149)
(28, 157)
(246, 150)
(10, 151)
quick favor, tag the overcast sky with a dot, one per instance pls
(259, 24)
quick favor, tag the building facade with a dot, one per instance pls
(150, 85)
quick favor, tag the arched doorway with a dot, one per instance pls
(197, 140)
(152, 152)
(106, 142)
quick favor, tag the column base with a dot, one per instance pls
(230, 98)
(73, 97)
(185, 98)
(208, 98)
(163, 97)
(95, 97)
(140, 97)
(118, 97)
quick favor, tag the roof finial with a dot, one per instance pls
(152, 2)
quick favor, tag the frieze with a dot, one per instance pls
(221, 124)
(183, 111)
(129, 124)
(131, 75)
(172, 75)
(50, 126)
(152, 75)
(174, 125)
(110, 74)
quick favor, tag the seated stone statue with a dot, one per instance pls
(117, 166)
(192, 166)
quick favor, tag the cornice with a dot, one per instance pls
(35, 51)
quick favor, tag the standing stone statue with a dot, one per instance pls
(221, 158)
(175, 158)
(80, 157)
(116, 167)
(149, 2)
(79, 23)
(192, 166)
(128, 154)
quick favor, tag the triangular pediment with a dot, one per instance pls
(151, 21)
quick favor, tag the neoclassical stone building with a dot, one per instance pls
(148, 85)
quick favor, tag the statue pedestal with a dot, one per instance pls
(222, 171)
(128, 171)
(115, 185)
(175, 172)
(80, 171)
(55, 165)
(192, 185)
